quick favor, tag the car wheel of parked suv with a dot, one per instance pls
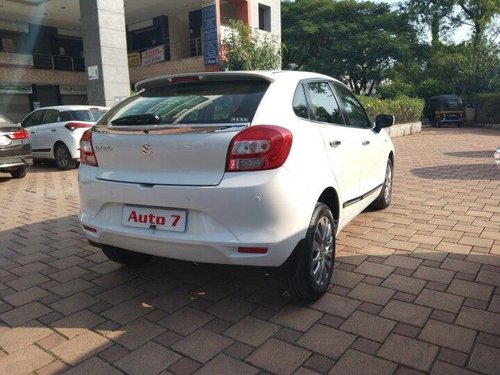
(384, 199)
(19, 172)
(312, 268)
(124, 256)
(63, 157)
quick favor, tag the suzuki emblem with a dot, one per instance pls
(146, 150)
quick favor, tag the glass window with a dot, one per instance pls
(264, 17)
(34, 119)
(356, 115)
(82, 115)
(324, 105)
(50, 117)
(65, 116)
(193, 103)
(97, 113)
(300, 103)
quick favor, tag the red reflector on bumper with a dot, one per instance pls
(253, 250)
(90, 229)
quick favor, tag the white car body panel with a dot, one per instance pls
(226, 210)
(45, 136)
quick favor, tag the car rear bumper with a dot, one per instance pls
(16, 157)
(251, 210)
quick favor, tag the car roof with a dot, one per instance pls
(73, 107)
(268, 75)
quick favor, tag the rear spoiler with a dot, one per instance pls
(204, 76)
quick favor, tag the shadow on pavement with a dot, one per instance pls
(486, 171)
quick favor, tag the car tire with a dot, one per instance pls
(125, 256)
(310, 271)
(385, 196)
(63, 157)
(19, 172)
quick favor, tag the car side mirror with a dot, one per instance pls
(383, 121)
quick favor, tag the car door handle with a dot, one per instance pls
(53, 130)
(365, 143)
(335, 143)
(32, 132)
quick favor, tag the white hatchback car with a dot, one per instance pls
(55, 132)
(244, 168)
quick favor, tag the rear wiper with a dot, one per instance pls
(142, 119)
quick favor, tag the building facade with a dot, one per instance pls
(43, 45)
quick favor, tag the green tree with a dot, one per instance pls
(477, 13)
(357, 42)
(242, 49)
(431, 13)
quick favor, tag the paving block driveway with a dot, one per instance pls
(417, 286)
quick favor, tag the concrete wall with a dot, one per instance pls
(188, 65)
(401, 130)
(275, 6)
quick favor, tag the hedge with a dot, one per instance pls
(405, 109)
(487, 108)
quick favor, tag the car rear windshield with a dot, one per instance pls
(451, 103)
(191, 103)
(79, 115)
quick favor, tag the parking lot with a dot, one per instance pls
(416, 286)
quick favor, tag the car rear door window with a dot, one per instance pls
(356, 115)
(51, 116)
(192, 103)
(324, 106)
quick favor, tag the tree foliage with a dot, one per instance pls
(357, 42)
(244, 49)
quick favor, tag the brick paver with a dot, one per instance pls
(416, 287)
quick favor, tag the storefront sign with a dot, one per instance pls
(15, 88)
(134, 59)
(153, 55)
(16, 59)
(209, 31)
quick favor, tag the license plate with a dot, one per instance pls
(154, 218)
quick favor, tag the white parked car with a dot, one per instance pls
(55, 132)
(243, 168)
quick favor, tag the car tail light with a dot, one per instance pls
(259, 148)
(20, 134)
(72, 125)
(87, 154)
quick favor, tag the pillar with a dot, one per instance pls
(105, 51)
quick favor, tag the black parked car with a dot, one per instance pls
(445, 109)
(15, 148)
